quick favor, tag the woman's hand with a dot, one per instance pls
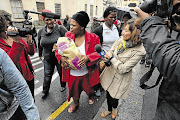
(65, 63)
(107, 55)
(15, 38)
(72, 67)
(83, 60)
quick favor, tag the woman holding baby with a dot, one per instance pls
(81, 79)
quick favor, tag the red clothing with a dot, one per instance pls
(77, 84)
(115, 22)
(58, 22)
(90, 41)
(19, 55)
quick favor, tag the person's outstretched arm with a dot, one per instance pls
(165, 50)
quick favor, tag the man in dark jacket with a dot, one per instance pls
(165, 51)
(66, 23)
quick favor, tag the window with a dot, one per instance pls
(91, 10)
(17, 9)
(96, 10)
(58, 9)
(85, 9)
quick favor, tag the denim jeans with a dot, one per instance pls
(49, 66)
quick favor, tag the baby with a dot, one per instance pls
(67, 48)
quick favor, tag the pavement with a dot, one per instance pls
(131, 108)
(140, 104)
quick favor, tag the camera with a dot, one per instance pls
(161, 8)
(26, 28)
(27, 24)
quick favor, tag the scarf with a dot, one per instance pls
(124, 45)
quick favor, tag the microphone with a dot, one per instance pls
(50, 15)
(44, 14)
(99, 50)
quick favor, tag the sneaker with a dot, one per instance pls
(142, 62)
(147, 65)
(44, 95)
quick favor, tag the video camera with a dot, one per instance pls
(162, 8)
(27, 24)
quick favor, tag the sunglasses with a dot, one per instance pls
(49, 19)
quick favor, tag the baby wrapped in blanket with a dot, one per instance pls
(67, 48)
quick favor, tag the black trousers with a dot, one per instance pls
(112, 102)
(49, 66)
(31, 86)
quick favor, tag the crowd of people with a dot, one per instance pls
(124, 44)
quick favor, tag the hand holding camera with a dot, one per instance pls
(13, 30)
(141, 16)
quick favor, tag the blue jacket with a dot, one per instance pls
(13, 84)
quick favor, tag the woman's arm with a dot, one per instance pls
(40, 48)
(30, 47)
(129, 64)
(94, 56)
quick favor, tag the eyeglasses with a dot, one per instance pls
(49, 19)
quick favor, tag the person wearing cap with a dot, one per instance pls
(81, 79)
(47, 37)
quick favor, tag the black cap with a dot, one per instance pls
(108, 11)
(81, 18)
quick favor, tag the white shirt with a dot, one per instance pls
(83, 70)
(109, 36)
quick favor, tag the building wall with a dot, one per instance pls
(68, 7)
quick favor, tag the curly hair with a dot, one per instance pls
(134, 31)
(3, 20)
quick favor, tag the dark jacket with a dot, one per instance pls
(165, 52)
(46, 40)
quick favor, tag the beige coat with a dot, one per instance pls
(116, 79)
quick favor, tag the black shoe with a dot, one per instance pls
(44, 95)
(147, 65)
(142, 62)
(63, 89)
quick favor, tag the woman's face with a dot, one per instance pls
(49, 22)
(75, 28)
(126, 33)
(110, 19)
(125, 19)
